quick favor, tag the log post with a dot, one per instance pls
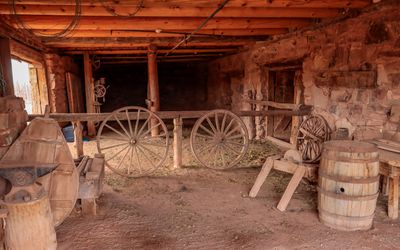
(89, 90)
(153, 88)
(6, 69)
(178, 142)
(78, 140)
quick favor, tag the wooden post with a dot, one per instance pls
(78, 140)
(6, 69)
(393, 200)
(89, 90)
(153, 88)
(178, 142)
(292, 186)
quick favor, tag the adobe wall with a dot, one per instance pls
(350, 71)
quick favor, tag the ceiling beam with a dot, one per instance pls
(139, 51)
(211, 3)
(138, 23)
(254, 12)
(167, 33)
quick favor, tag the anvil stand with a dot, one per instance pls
(29, 222)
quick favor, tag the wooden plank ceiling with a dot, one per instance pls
(121, 30)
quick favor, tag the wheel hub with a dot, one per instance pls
(132, 141)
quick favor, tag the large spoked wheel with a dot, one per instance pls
(125, 138)
(219, 139)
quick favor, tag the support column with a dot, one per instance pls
(178, 123)
(153, 88)
(6, 70)
(89, 91)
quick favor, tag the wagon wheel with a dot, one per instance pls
(313, 132)
(219, 139)
(125, 139)
(99, 90)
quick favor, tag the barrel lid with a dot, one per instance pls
(350, 146)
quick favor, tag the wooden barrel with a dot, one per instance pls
(348, 185)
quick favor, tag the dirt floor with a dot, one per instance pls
(198, 208)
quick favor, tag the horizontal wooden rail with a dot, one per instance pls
(67, 117)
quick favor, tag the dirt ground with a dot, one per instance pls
(199, 208)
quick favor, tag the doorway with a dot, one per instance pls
(29, 84)
(281, 89)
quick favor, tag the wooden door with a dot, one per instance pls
(75, 94)
(281, 89)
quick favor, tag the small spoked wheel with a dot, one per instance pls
(313, 132)
(134, 141)
(219, 139)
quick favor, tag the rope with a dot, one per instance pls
(113, 13)
(71, 26)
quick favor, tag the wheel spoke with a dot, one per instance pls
(129, 123)
(216, 157)
(137, 122)
(217, 122)
(151, 152)
(234, 137)
(233, 130)
(234, 143)
(212, 148)
(114, 146)
(112, 157)
(206, 129)
(151, 144)
(223, 158)
(122, 126)
(149, 130)
(147, 158)
(138, 160)
(113, 138)
(211, 125)
(143, 126)
(123, 158)
(222, 129)
(205, 136)
(113, 129)
(206, 147)
(232, 149)
(229, 126)
(131, 162)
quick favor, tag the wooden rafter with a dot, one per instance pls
(164, 23)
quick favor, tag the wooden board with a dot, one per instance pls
(43, 143)
(75, 96)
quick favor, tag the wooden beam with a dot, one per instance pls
(98, 10)
(26, 53)
(153, 23)
(153, 94)
(82, 45)
(74, 51)
(6, 70)
(211, 3)
(67, 117)
(168, 33)
(7, 30)
(89, 91)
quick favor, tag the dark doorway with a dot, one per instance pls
(281, 89)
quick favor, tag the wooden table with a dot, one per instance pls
(390, 168)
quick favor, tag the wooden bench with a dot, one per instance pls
(390, 169)
(299, 171)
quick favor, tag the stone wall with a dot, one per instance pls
(350, 71)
